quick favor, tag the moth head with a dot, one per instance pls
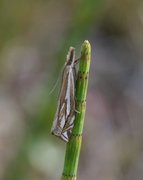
(70, 56)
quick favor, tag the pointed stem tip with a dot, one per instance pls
(86, 48)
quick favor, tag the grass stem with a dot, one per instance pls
(74, 144)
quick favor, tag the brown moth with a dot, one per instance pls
(65, 114)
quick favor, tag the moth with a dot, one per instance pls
(65, 114)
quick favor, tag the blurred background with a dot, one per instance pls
(34, 39)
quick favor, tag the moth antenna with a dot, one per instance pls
(76, 61)
(55, 85)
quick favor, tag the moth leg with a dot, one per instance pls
(77, 111)
(77, 61)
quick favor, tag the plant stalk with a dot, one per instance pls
(74, 144)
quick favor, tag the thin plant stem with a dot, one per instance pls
(74, 144)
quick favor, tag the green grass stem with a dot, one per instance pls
(74, 144)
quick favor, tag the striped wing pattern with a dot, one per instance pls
(65, 114)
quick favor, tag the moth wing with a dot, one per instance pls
(60, 117)
(70, 115)
(63, 123)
